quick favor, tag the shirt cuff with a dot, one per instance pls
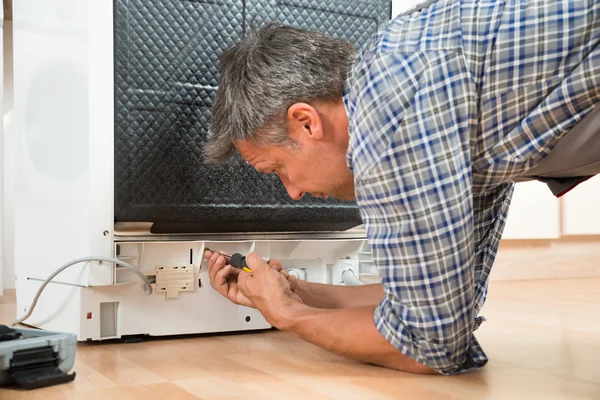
(432, 355)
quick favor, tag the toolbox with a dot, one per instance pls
(32, 358)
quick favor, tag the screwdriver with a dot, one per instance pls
(237, 260)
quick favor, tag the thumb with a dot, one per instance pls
(256, 263)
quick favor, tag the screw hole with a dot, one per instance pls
(248, 319)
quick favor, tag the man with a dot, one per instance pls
(427, 127)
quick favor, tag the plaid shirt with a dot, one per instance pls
(446, 106)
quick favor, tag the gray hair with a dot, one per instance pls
(263, 75)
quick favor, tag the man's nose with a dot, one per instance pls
(294, 193)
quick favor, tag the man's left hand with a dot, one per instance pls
(267, 289)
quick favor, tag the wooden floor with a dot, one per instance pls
(542, 338)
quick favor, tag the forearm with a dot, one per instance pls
(337, 296)
(347, 332)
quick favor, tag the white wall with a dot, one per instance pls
(581, 209)
(8, 160)
(400, 6)
(534, 213)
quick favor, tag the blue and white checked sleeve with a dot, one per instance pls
(410, 151)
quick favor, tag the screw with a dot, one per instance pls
(105, 233)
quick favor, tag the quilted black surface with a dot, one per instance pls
(166, 55)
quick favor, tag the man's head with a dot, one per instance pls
(279, 104)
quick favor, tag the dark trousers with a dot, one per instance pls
(574, 159)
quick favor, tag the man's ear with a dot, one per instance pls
(304, 122)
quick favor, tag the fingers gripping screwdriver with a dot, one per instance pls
(237, 260)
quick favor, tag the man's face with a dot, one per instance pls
(316, 169)
(317, 165)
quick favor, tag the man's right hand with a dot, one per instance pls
(292, 280)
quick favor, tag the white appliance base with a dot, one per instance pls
(122, 308)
